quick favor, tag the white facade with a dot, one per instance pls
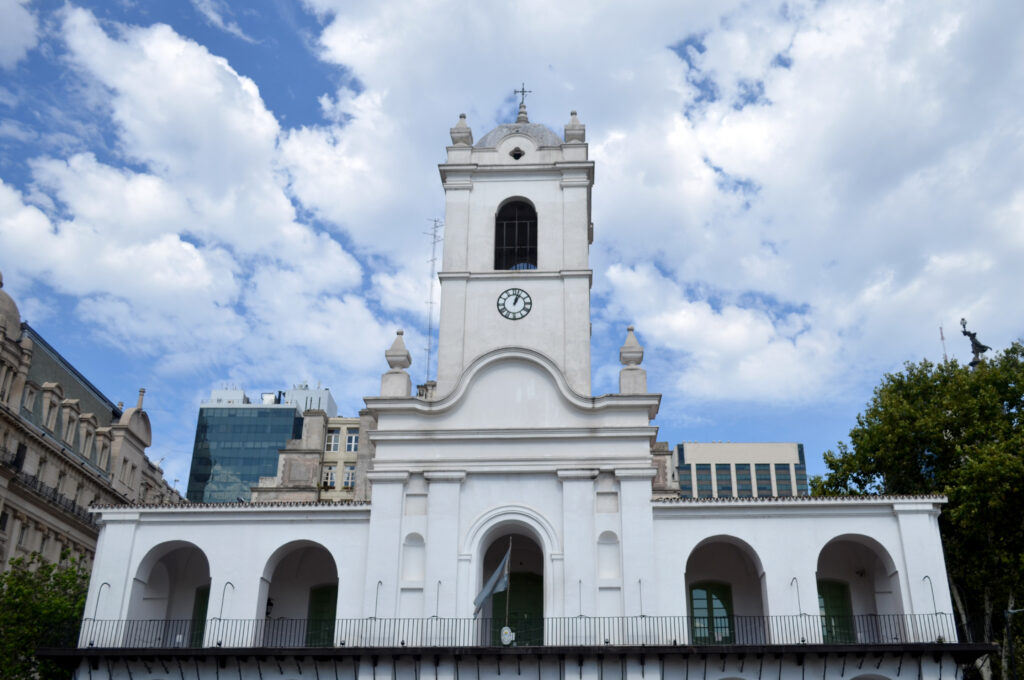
(512, 446)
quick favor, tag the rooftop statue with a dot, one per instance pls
(976, 346)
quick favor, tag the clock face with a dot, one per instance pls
(514, 303)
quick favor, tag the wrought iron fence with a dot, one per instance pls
(584, 631)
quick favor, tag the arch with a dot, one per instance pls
(521, 604)
(491, 524)
(515, 235)
(609, 561)
(299, 594)
(414, 550)
(725, 592)
(169, 596)
(859, 594)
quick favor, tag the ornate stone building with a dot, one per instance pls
(63, 448)
(509, 472)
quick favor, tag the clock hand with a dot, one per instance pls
(515, 300)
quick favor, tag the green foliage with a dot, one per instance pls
(944, 428)
(41, 604)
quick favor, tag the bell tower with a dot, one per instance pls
(518, 230)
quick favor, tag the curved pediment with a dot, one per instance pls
(514, 388)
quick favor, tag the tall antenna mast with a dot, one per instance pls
(945, 359)
(435, 238)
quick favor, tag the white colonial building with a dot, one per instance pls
(610, 574)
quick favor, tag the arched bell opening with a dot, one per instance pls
(515, 236)
(520, 605)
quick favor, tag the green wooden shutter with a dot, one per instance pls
(525, 610)
(837, 623)
(199, 605)
(323, 604)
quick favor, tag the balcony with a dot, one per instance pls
(638, 631)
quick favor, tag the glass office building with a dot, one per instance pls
(741, 470)
(235, 446)
(237, 441)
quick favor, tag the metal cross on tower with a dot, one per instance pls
(522, 92)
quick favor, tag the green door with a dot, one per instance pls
(836, 612)
(525, 611)
(711, 607)
(198, 627)
(323, 603)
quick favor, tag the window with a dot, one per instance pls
(43, 542)
(515, 236)
(327, 478)
(349, 480)
(3, 521)
(723, 476)
(764, 479)
(685, 481)
(704, 480)
(22, 534)
(836, 612)
(333, 440)
(801, 480)
(743, 489)
(783, 482)
(352, 440)
(711, 608)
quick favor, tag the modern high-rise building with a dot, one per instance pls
(740, 470)
(237, 441)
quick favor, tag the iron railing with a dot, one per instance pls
(587, 631)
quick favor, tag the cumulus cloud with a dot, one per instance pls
(194, 251)
(789, 199)
(18, 31)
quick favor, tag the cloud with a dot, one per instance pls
(213, 11)
(18, 32)
(198, 230)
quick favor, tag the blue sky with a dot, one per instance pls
(790, 198)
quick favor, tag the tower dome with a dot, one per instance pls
(9, 312)
(540, 133)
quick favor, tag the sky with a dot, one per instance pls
(790, 200)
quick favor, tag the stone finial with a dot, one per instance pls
(397, 355)
(396, 382)
(632, 352)
(575, 131)
(521, 118)
(632, 378)
(142, 393)
(461, 134)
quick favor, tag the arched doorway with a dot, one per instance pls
(859, 592)
(169, 597)
(521, 606)
(725, 593)
(300, 591)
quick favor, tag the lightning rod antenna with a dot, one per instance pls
(435, 238)
(945, 359)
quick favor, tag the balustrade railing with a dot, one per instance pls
(580, 631)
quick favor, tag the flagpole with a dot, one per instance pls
(508, 572)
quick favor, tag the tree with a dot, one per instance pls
(947, 429)
(41, 604)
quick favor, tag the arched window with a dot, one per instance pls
(515, 236)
